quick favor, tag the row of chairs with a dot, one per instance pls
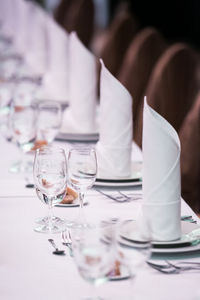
(168, 74)
(77, 15)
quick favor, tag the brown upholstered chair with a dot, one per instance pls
(190, 156)
(61, 10)
(139, 61)
(77, 15)
(117, 39)
(172, 86)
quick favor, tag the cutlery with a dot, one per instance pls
(188, 219)
(29, 185)
(122, 198)
(56, 251)
(170, 268)
(67, 241)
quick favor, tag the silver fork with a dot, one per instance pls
(122, 198)
(67, 241)
(133, 197)
(170, 268)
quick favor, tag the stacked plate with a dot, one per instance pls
(134, 180)
(189, 241)
(78, 137)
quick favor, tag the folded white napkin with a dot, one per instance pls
(57, 76)
(80, 117)
(23, 15)
(8, 11)
(115, 128)
(35, 47)
(161, 176)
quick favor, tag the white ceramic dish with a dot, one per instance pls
(77, 137)
(189, 239)
(134, 180)
(124, 274)
(74, 204)
(191, 248)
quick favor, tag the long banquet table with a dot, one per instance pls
(28, 270)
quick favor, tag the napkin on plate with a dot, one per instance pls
(115, 128)
(80, 117)
(161, 176)
(57, 76)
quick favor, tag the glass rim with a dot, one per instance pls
(50, 149)
(49, 103)
(82, 149)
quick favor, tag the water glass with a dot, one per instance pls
(22, 122)
(82, 171)
(50, 177)
(134, 258)
(49, 120)
(93, 255)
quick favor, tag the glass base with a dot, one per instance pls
(80, 225)
(48, 229)
(16, 167)
(55, 221)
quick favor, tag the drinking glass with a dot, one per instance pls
(134, 257)
(23, 114)
(50, 177)
(10, 65)
(93, 256)
(82, 171)
(6, 93)
(23, 121)
(49, 120)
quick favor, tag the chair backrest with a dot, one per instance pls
(140, 58)
(190, 156)
(61, 10)
(80, 18)
(172, 86)
(118, 37)
(77, 15)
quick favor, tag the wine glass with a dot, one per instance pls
(93, 255)
(6, 92)
(82, 171)
(49, 120)
(134, 257)
(50, 177)
(23, 108)
(10, 65)
(22, 122)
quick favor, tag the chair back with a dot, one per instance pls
(190, 156)
(117, 39)
(172, 87)
(61, 11)
(140, 58)
(77, 15)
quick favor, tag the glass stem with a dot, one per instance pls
(81, 217)
(23, 165)
(50, 213)
(81, 199)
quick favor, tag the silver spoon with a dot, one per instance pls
(56, 251)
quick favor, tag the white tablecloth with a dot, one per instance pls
(28, 270)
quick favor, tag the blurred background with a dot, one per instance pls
(178, 20)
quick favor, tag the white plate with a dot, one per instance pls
(134, 180)
(74, 204)
(190, 234)
(124, 274)
(190, 248)
(77, 137)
